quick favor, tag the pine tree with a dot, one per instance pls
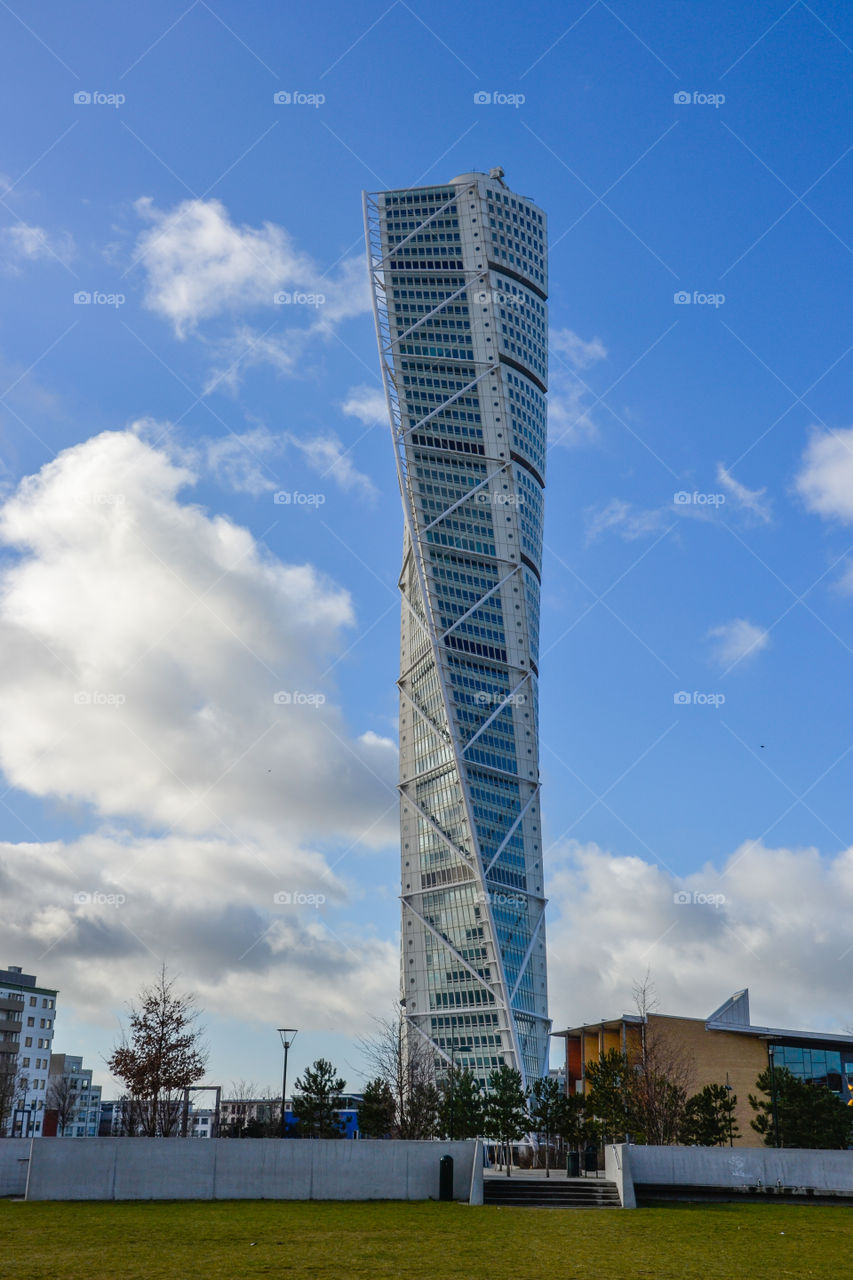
(377, 1110)
(809, 1115)
(506, 1109)
(315, 1101)
(546, 1106)
(708, 1119)
(460, 1112)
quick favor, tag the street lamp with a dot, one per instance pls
(771, 1053)
(288, 1035)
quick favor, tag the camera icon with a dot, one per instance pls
(282, 898)
(681, 98)
(681, 297)
(482, 99)
(282, 98)
(83, 699)
(81, 297)
(682, 898)
(281, 299)
(82, 98)
(682, 698)
(282, 498)
(283, 698)
(682, 498)
(82, 898)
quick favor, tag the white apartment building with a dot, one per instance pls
(70, 1089)
(27, 1016)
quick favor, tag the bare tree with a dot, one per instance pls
(403, 1059)
(10, 1090)
(162, 1055)
(663, 1075)
(63, 1098)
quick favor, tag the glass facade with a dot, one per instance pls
(459, 277)
(830, 1067)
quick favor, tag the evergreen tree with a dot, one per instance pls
(506, 1109)
(708, 1119)
(809, 1115)
(316, 1101)
(610, 1095)
(460, 1112)
(377, 1111)
(546, 1107)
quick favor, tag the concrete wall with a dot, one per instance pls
(819, 1172)
(247, 1169)
(617, 1168)
(14, 1162)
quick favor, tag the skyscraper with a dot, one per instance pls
(459, 279)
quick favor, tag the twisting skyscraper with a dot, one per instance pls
(459, 278)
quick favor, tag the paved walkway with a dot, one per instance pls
(556, 1172)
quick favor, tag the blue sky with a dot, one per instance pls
(152, 563)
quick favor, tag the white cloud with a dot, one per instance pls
(825, 478)
(327, 456)
(200, 265)
(238, 461)
(120, 590)
(751, 500)
(367, 404)
(624, 518)
(580, 354)
(24, 243)
(569, 411)
(738, 640)
(783, 930)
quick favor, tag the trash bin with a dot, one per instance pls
(573, 1164)
(445, 1178)
(590, 1159)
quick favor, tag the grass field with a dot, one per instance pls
(237, 1239)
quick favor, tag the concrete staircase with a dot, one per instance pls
(556, 1192)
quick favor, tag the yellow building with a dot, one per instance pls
(724, 1048)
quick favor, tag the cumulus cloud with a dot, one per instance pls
(569, 408)
(163, 675)
(737, 640)
(752, 501)
(825, 478)
(121, 591)
(24, 243)
(782, 929)
(201, 266)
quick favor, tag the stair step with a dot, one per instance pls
(545, 1193)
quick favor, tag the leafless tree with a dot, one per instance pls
(400, 1056)
(664, 1072)
(63, 1098)
(10, 1091)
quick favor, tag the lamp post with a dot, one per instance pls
(288, 1035)
(771, 1053)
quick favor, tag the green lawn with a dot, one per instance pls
(237, 1239)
